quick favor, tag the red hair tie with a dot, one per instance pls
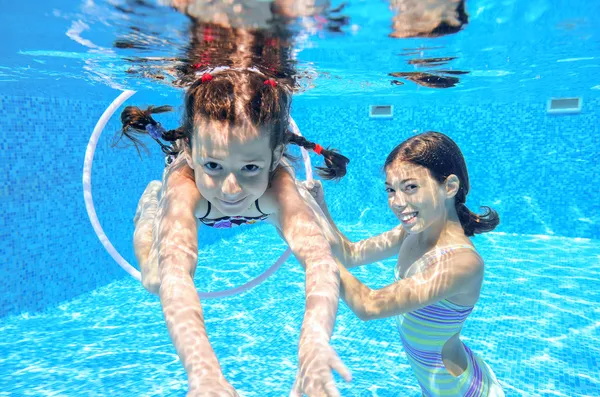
(271, 82)
(318, 149)
(206, 77)
(208, 36)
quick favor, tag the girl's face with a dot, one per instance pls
(231, 166)
(415, 197)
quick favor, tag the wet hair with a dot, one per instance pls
(444, 28)
(442, 157)
(212, 45)
(230, 98)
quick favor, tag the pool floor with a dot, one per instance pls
(537, 325)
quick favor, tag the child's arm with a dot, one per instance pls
(375, 248)
(363, 252)
(307, 241)
(423, 18)
(446, 278)
(177, 258)
(299, 8)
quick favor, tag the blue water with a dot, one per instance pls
(72, 323)
(510, 48)
(536, 324)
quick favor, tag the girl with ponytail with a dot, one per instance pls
(439, 274)
(226, 167)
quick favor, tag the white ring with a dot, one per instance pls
(91, 211)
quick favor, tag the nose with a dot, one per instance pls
(231, 189)
(398, 201)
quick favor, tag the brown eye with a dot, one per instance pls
(212, 166)
(251, 168)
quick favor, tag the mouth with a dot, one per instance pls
(408, 217)
(231, 203)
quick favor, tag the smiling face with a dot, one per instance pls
(231, 166)
(415, 197)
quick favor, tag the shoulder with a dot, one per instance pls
(466, 263)
(180, 187)
(176, 173)
(467, 268)
(282, 189)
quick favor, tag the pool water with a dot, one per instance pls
(536, 324)
(73, 324)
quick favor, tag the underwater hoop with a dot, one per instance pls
(91, 211)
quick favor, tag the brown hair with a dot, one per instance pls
(212, 45)
(442, 157)
(232, 97)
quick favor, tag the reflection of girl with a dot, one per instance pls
(223, 36)
(249, 14)
(427, 18)
(215, 46)
(439, 273)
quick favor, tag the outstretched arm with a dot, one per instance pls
(301, 230)
(363, 252)
(447, 277)
(427, 18)
(177, 258)
(299, 8)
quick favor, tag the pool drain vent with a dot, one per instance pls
(564, 105)
(381, 111)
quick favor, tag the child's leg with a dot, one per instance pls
(145, 250)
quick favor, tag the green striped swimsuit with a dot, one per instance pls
(425, 331)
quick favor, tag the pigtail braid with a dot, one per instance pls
(335, 162)
(137, 122)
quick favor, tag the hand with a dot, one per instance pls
(210, 386)
(315, 188)
(314, 377)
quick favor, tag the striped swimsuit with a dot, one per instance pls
(425, 331)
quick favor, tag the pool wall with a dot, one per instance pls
(539, 172)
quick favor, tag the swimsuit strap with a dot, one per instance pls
(435, 254)
(258, 208)
(439, 252)
(207, 211)
(250, 217)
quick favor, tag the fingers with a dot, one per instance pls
(313, 185)
(319, 382)
(337, 364)
(318, 391)
(330, 389)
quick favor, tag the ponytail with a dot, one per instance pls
(476, 224)
(137, 122)
(336, 162)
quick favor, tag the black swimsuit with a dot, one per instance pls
(230, 221)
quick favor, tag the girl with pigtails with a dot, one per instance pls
(226, 166)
